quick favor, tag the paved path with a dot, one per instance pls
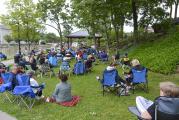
(3, 115)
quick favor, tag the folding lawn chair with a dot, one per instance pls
(65, 67)
(85, 56)
(109, 82)
(140, 79)
(24, 91)
(53, 61)
(166, 108)
(45, 68)
(28, 67)
(59, 56)
(103, 56)
(6, 87)
(79, 68)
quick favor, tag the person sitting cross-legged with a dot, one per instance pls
(62, 94)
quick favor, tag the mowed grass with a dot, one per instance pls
(93, 105)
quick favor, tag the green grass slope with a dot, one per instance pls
(159, 56)
(93, 105)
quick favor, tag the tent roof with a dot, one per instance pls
(81, 34)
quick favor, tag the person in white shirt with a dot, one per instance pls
(37, 89)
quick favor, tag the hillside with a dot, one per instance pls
(160, 56)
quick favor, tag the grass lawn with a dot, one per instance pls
(93, 105)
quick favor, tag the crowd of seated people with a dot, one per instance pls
(62, 92)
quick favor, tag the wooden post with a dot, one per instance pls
(68, 43)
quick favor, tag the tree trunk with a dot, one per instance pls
(107, 36)
(171, 10)
(117, 37)
(135, 17)
(176, 8)
(60, 34)
(98, 40)
(122, 28)
(95, 43)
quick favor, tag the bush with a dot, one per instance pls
(163, 27)
(159, 56)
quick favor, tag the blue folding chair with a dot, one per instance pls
(103, 56)
(166, 108)
(65, 67)
(140, 79)
(6, 87)
(109, 81)
(53, 61)
(24, 91)
(79, 68)
(73, 53)
(85, 56)
(59, 56)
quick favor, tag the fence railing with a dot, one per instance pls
(11, 50)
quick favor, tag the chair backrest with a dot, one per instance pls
(109, 77)
(53, 61)
(85, 56)
(167, 108)
(73, 53)
(79, 67)
(139, 76)
(23, 79)
(6, 77)
(65, 65)
(103, 55)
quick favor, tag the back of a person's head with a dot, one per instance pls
(168, 88)
(175, 92)
(135, 62)
(63, 77)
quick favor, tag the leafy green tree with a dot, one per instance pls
(151, 13)
(51, 37)
(8, 38)
(23, 19)
(57, 12)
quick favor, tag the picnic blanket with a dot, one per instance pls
(73, 102)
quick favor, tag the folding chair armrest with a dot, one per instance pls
(42, 86)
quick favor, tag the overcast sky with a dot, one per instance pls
(3, 10)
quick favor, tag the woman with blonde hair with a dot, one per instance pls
(135, 64)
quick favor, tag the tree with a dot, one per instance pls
(8, 38)
(23, 19)
(51, 37)
(151, 13)
(119, 14)
(176, 7)
(55, 11)
(169, 4)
